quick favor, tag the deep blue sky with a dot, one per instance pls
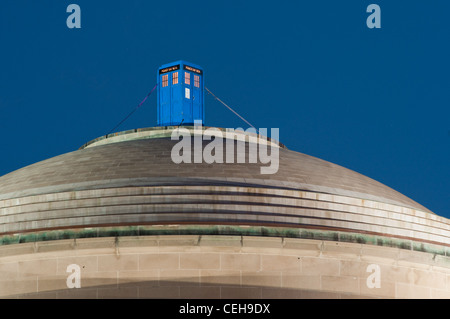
(373, 100)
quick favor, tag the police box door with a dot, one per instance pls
(193, 95)
(197, 103)
(187, 98)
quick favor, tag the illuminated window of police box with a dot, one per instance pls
(165, 80)
(187, 78)
(196, 81)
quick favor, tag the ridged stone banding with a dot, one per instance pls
(141, 226)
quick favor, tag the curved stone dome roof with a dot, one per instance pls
(148, 162)
(132, 180)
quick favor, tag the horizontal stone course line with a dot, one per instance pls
(239, 199)
(319, 211)
(92, 181)
(243, 217)
(210, 217)
(307, 196)
(85, 194)
(197, 234)
(372, 214)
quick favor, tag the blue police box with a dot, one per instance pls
(180, 94)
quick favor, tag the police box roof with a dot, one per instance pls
(180, 64)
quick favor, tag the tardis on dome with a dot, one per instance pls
(180, 94)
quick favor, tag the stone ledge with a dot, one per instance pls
(234, 237)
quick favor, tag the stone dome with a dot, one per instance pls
(126, 184)
(130, 179)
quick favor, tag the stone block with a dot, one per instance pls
(55, 246)
(408, 291)
(225, 243)
(428, 278)
(159, 261)
(140, 278)
(17, 249)
(138, 241)
(86, 263)
(200, 261)
(302, 247)
(261, 279)
(440, 294)
(211, 277)
(8, 271)
(18, 286)
(101, 278)
(343, 284)
(320, 266)
(179, 277)
(385, 290)
(409, 258)
(108, 243)
(332, 249)
(295, 280)
(175, 243)
(266, 242)
(242, 261)
(118, 262)
(52, 283)
(280, 262)
(354, 268)
(36, 267)
(379, 254)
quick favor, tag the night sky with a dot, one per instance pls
(373, 100)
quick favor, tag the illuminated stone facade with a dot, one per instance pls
(140, 226)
